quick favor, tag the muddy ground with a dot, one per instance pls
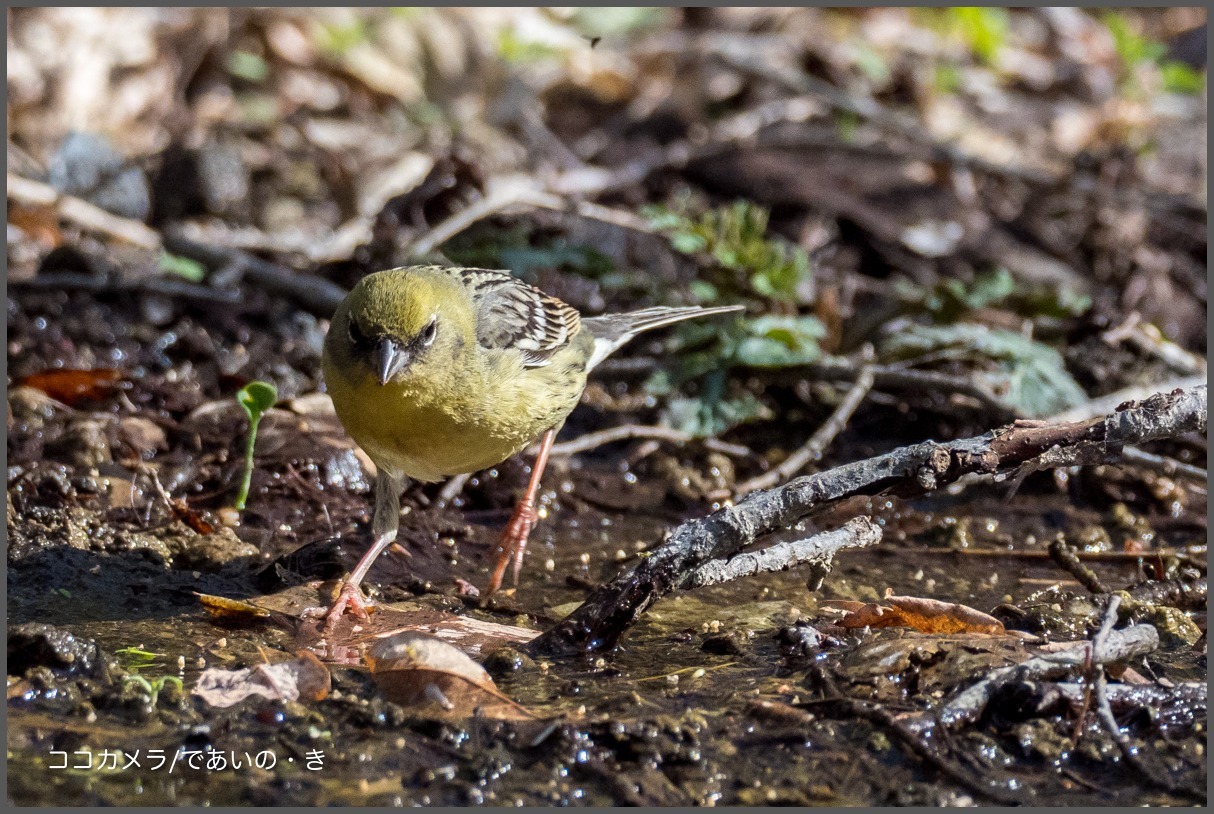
(997, 215)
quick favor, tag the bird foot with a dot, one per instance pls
(512, 545)
(351, 597)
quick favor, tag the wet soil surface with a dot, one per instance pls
(744, 693)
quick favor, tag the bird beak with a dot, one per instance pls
(391, 358)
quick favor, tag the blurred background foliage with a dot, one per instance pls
(987, 181)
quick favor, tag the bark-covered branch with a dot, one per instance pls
(820, 549)
(914, 470)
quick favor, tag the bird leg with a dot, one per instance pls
(513, 542)
(384, 526)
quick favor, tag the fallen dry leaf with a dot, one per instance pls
(919, 613)
(74, 386)
(301, 679)
(223, 609)
(426, 673)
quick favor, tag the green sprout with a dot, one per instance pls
(255, 398)
(137, 657)
(153, 687)
(735, 237)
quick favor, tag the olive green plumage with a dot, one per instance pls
(440, 371)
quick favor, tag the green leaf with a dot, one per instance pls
(1180, 78)
(248, 66)
(707, 417)
(735, 236)
(183, 267)
(983, 29)
(1028, 376)
(257, 397)
(688, 242)
(780, 341)
(339, 38)
(138, 655)
(950, 299)
(1131, 46)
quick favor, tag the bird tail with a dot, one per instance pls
(612, 332)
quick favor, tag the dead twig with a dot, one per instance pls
(860, 532)
(452, 488)
(901, 378)
(82, 213)
(316, 294)
(1168, 466)
(593, 440)
(818, 442)
(1118, 646)
(1155, 775)
(630, 432)
(1064, 555)
(600, 621)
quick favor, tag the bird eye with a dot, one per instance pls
(430, 331)
(356, 334)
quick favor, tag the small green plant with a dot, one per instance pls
(950, 299)
(153, 687)
(256, 398)
(339, 38)
(1134, 49)
(735, 237)
(1028, 376)
(983, 29)
(708, 352)
(182, 267)
(137, 657)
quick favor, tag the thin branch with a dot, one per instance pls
(629, 432)
(600, 621)
(82, 213)
(1104, 712)
(452, 488)
(812, 449)
(1168, 466)
(1109, 403)
(860, 532)
(502, 193)
(316, 294)
(1118, 646)
(1067, 560)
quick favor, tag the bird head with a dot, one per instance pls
(398, 323)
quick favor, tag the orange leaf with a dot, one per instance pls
(925, 615)
(72, 385)
(39, 222)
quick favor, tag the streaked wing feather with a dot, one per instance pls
(519, 316)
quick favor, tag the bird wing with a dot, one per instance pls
(514, 315)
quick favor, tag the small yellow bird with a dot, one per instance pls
(441, 371)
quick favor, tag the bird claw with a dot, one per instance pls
(512, 545)
(349, 597)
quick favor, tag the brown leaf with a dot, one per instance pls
(925, 615)
(301, 679)
(191, 517)
(74, 386)
(40, 222)
(223, 609)
(426, 673)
